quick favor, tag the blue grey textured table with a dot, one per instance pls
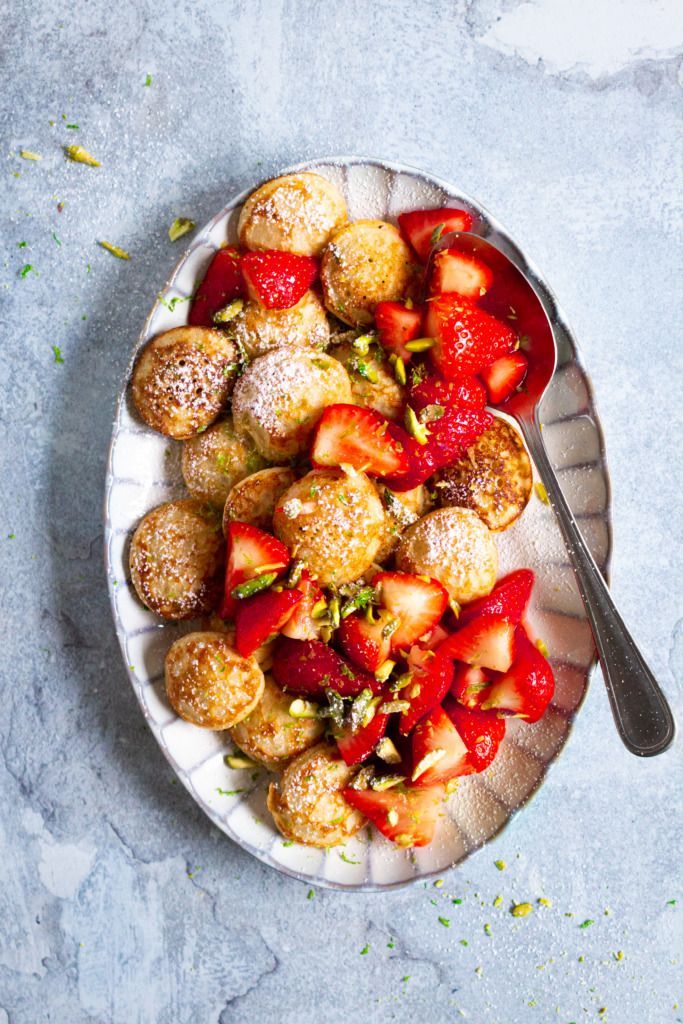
(119, 902)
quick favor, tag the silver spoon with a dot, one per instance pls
(641, 712)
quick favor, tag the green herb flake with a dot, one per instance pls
(148, 80)
(464, 942)
(311, 894)
(487, 929)
(365, 950)
(56, 239)
(391, 944)
(57, 354)
(457, 901)
(347, 860)
(180, 226)
(671, 903)
(288, 842)
(405, 978)
(21, 245)
(120, 254)
(27, 269)
(73, 127)
(436, 234)
(587, 923)
(228, 792)
(445, 921)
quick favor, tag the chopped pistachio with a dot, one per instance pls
(543, 647)
(81, 156)
(392, 817)
(428, 761)
(543, 902)
(438, 883)
(253, 586)
(26, 270)
(414, 427)
(386, 750)
(27, 154)
(618, 955)
(180, 226)
(361, 599)
(500, 864)
(120, 254)
(521, 909)
(319, 609)
(363, 342)
(587, 923)
(381, 782)
(334, 612)
(239, 761)
(359, 708)
(391, 706)
(364, 369)
(303, 709)
(445, 922)
(335, 708)
(229, 312)
(400, 371)
(420, 344)
(487, 929)
(498, 901)
(385, 670)
(436, 234)
(363, 778)
(541, 492)
(365, 950)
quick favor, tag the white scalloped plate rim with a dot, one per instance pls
(343, 164)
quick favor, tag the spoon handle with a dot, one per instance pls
(641, 712)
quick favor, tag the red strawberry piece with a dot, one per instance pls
(416, 602)
(509, 599)
(470, 684)
(454, 271)
(223, 282)
(527, 688)
(301, 625)
(396, 325)
(424, 228)
(277, 280)
(467, 338)
(435, 391)
(481, 731)
(504, 377)
(438, 751)
(251, 552)
(432, 675)
(309, 667)
(404, 814)
(448, 438)
(360, 437)
(366, 642)
(356, 747)
(258, 617)
(487, 641)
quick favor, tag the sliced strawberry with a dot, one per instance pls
(481, 731)
(470, 684)
(367, 642)
(424, 228)
(438, 751)
(301, 625)
(527, 688)
(404, 814)
(357, 436)
(509, 599)
(258, 617)
(448, 438)
(467, 338)
(417, 603)
(432, 675)
(356, 747)
(251, 552)
(277, 280)
(396, 325)
(437, 392)
(222, 283)
(504, 377)
(487, 641)
(454, 271)
(309, 667)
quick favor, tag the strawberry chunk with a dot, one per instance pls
(454, 271)
(277, 280)
(367, 642)
(508, 599)
(487, 641)
(404, 814)
(309, 667)
(301, 625)
(424, 228)
(356, 747)
(396, 325)
(504, 377)
(417, 603)
(527, 688)
(357, 436)
(222, 283)
(467, 338)
(438, 751)
(251, 553)
(435, 391)
(259, 617)
(470, 684)
(431, 677)
(449, 436)
(481, 731)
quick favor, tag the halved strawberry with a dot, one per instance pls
(435, 391)
(367, 641)
(467, 338)
(454, 271)
(481, 731)
(470, 684)
(504, 377)
(309, 667)
(438, 751)
(356, 747)
(258, 617)
(277, 280)
(222, 283)
(417, 603)
(301, 625)
(431, 677)
(487, 641)
(397, 324)
(527, 688)
(448, 438)
(357, 436)
(251, 552)
(424, 228)
(404, 814)
(509, 599)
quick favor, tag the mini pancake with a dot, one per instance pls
(294, 213)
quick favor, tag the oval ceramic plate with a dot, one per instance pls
(144, 470)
